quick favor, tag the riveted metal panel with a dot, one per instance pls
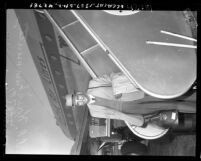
(45, 64)
(56, 71)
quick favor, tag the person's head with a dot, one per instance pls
(78, 99)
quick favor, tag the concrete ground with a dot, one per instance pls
(172, 145)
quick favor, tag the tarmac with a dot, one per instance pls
(173, 145)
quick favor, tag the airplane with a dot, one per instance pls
(154, 49)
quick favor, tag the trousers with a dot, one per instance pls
(148, 105)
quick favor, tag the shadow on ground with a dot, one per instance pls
(173, 145)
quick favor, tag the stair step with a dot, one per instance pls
(87, 51)
(63, 27)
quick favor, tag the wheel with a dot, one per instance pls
(127, 134)
(134, 148)
(149, 133)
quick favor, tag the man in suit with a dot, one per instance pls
(114, 97)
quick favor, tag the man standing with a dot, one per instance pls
(114, 97)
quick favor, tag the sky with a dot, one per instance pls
(30, 124)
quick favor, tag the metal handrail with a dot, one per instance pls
(87, 67)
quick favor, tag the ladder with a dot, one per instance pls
(91, 45)
(65, 36)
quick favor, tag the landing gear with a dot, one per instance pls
(112, 139)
